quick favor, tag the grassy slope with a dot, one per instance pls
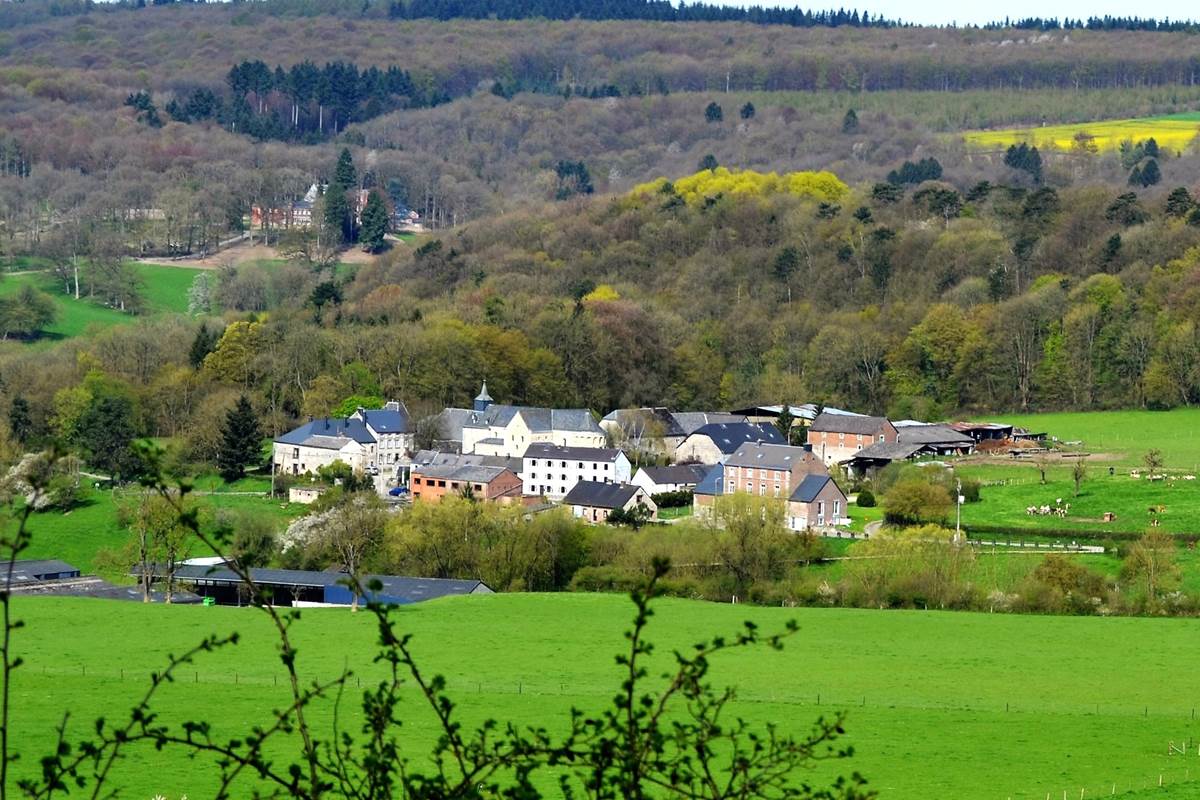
(1090, 702)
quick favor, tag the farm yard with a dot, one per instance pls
(1173, 132)
(1027, 706)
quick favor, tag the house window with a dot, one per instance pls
(750, 487)
(837, 508)
(581, 465)
(762, 490)
(777, 490)
(295, 452)
(606, 467)
(533, 462)
(881, 437)
(441, 484)
(733, 486)
(564, 464)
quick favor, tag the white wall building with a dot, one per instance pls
(551, 471)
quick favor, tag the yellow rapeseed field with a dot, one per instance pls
(1174, 133)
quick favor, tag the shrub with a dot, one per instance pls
(678, 499)
(912, 501)
(865, 499)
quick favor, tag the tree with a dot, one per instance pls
(913, 501)
(1079, 472)
(747, 111)
(375, 221)
(26, 312)
(786, 263)
(241, 441)
(339, 223)
(105, 433)
(713, 113)
(200, 295)
(1153, 558)
(1151, 174)
(709, 162)
(345, 177)
(159, 539)
(352, 531)
(1179, 203)
(1153, 461)
(204, 343)
(887, 193)
(1025, 158)
(784, 422)
(850, 121)
(19, 419)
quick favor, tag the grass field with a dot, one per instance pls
(1174, 132)
(1127, 434)
(940, 704)
(77, 536)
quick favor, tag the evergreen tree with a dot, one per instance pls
(784, 422)
(709, 162)
(204, 343)
(747, 111)
(713, 113)
(374, 224)
(1150, 173)
(1179, 203)
(344, 175)
(887, 193)
(19, 419)
(850, 122)
(339, 224)
(1150, 148)
(105, 433)
(241, 441)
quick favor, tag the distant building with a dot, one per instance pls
(705, 495)
(367, 440)
(595, 501)
(495, 429)
(802, 415)
(677, 478)
(875, 457)
(691, 421)
(817, 502)
(648, 430)
(715, 442)
(837, 437)
(551, 471)
(940, 439)
(432, 482)
(769, 470)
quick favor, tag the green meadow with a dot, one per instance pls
(940, 704)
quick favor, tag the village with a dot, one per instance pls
(628, 465)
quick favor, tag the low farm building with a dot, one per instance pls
(430, 483)
(594, 501)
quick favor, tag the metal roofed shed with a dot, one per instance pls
(290, 587)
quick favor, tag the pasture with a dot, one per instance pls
(940, 704)
(1174, 132)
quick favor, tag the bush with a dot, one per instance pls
(865, 499)
(678, 499)
(912, 501)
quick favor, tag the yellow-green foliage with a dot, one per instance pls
(1171, 133)
(602, 293)
(824, 186)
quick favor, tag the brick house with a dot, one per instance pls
(430, 483)
(816, 502)
(769, 470)
(837, 437)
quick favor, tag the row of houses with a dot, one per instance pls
(530, 455)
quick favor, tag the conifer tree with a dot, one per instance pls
(241, 441)
(344, 175)
(204, 343)
(374, 224)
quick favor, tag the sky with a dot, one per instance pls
(967, 12)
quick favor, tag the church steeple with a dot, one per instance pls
(484, 399)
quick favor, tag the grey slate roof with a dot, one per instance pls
(888, 451)
(769, 456)
(392, 418)
(327, 432)
(453, 420)
(595, 494)
(32, 571)
(847, 423)
(538, 419)
(547, 450)
(473, 473)
(807, 490)
(713, 483)
(932, 434)
(679, 473)
(410, 589)
(728, 437)
(424, 458)
(691, 421)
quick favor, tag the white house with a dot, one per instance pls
(367, 440)
(551, 471)
(495, 429)
(595, 502)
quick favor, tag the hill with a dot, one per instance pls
(963, 705)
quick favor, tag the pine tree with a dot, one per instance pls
(19, 420)
(713, 113)
(709, 162)
(339, 225)
(1151, 174)
(204, 343)
(850, 122)
(784, 422)
(241, 441)
(1179, 202)
(344, 175)
(747, 111)
(374, 224)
